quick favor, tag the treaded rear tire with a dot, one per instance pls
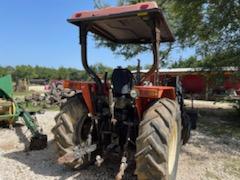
(69, 123)
(161, 124)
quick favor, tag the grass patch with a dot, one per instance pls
(21, 94)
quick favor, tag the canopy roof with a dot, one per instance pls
(126, 24)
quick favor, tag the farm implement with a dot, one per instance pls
(10, 112)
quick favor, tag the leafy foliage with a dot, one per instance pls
(212, 27)
(215, 61)
(190, 62)
(39, 72)
(128, 51)
(100, 68)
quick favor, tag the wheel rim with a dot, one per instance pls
(172, 148)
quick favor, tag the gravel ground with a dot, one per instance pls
(204, 157)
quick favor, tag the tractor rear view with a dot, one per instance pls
(123, 116)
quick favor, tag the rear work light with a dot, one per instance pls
(77, 15)
(144, 6)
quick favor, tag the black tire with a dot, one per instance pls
(159, 136)
(70, 129)
(186, 130)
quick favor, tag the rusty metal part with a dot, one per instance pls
(99, 160)
(111, 106)
(77, 154)
(67, 158)
(123, 167)
(113, 121)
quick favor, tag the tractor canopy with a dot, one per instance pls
(126, 24)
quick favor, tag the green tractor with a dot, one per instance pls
(10, 112)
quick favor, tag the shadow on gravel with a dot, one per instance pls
(218, 127)
(5, 124)
(22, 136)
(44, 162)
(219, 122)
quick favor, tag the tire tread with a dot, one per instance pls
(152, 142)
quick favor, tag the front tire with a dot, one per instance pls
(159, 141)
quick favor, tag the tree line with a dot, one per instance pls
(227, 59)
(39, 72)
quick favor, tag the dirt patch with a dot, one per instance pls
(209, 104)
(208, 155)
(7, 147)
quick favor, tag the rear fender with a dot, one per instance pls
(87, 90)
(149, 94)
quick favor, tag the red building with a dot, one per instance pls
(203, 82)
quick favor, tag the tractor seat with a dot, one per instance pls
(122, 81)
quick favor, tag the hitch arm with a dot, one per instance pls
(29, 122)
(38, 140)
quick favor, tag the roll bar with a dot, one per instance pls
(83, 41)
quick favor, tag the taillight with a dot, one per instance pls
(77, 15)
(144, 6)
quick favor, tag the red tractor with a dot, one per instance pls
(126, 116)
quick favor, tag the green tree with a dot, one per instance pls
(2, 71)
(212, 27)
(74, 74)
(45, 73)
(39, 72)
(100, 68)
(62, 73)
(83, 75)
(132, 67)
(191, 62)
(24, 72)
